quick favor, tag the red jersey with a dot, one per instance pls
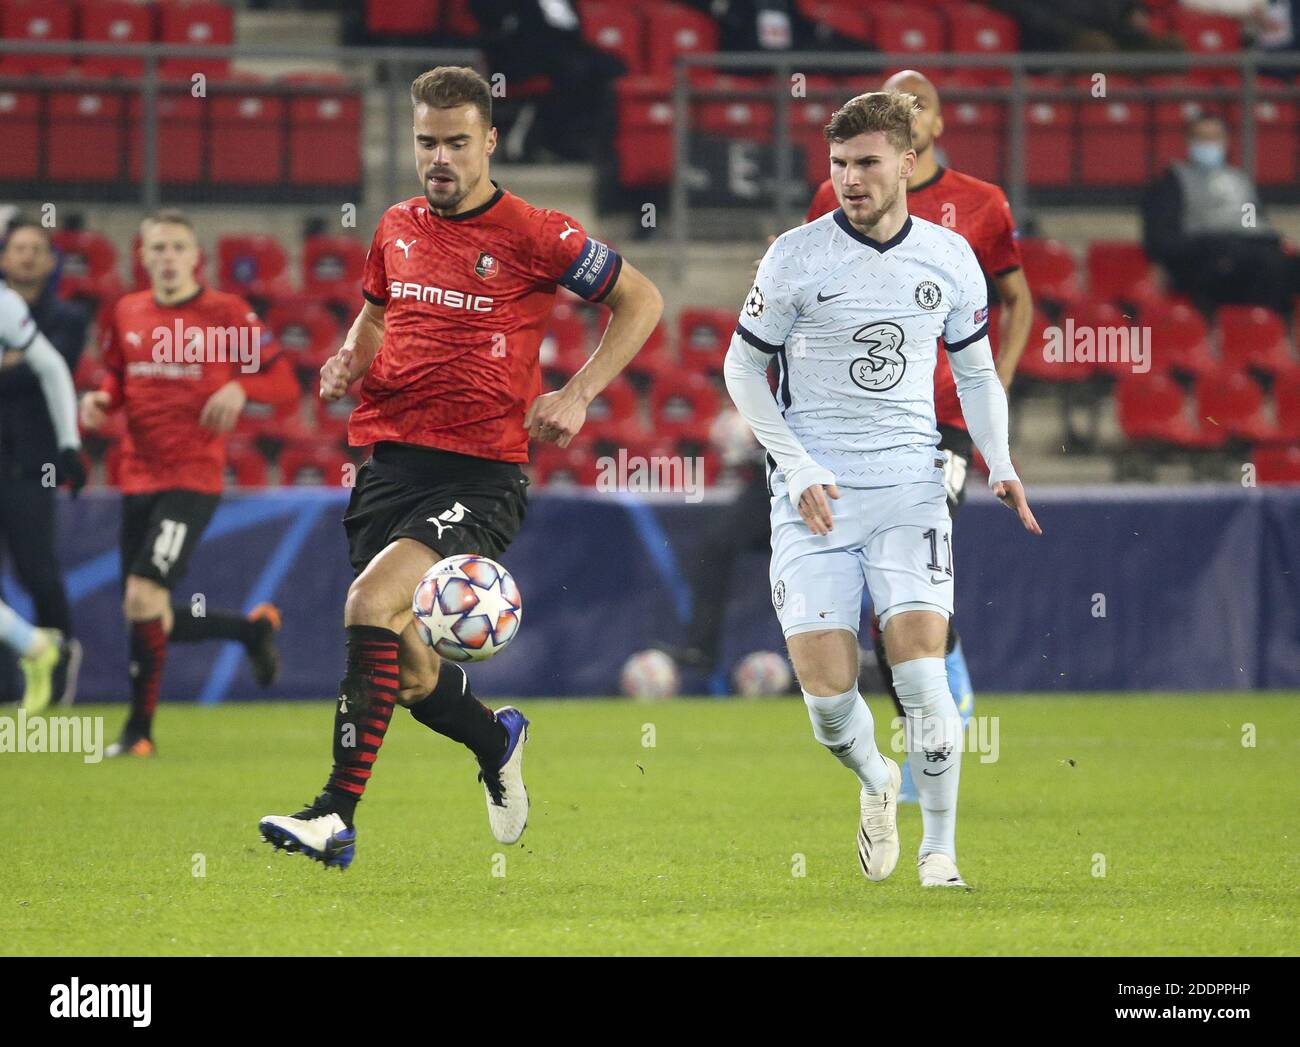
(466, 301)
(163, 362)
(980, 213)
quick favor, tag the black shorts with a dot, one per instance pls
(452, 503)
(160, 532)
(956, 447)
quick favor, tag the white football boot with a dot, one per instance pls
(318, 833)
(507, 799)
(938, 870)
(878, 830)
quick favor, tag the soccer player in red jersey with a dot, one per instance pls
(979, 212)
(459, 284)
(182, 360)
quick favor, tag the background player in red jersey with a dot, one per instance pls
(980, 213)
(180, 401)
(459, 284)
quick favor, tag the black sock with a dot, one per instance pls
(952, 639)
(217, 625)
(452, 710)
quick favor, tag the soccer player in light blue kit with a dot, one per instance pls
(853, 305)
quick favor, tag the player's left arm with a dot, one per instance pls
(595, 272)
(983, 400)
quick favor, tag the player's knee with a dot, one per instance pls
(144, 599)
(369, 603)
(825, 662)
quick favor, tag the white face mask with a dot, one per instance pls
(1207, 154)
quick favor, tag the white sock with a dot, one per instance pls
(934, 744)
(18, 633)
(844, 725)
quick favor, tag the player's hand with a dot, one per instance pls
(221, 412)
(71, 470)
(556, 417)
(339, 372)
(816, 510)
(94, 409)
(1012, 495)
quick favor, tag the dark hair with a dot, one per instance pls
(887, 111)
(23, 222)
(451, 85)
(1206, 117)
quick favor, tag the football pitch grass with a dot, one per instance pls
(1108, 824)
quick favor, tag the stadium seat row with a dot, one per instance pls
(240, 134)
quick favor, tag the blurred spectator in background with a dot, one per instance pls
(28, 445)
(1085, 25)
(1201, 221)
(575, 118)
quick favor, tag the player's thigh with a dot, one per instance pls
(160, 533)
(381, 594)
(908, 559)
(816, 585)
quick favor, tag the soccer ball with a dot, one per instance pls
(649, 676)
(467, 608)
(762, 673)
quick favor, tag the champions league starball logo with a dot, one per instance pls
(883, 366)
(754, 303)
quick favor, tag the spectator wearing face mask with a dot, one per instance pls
(1203, 222)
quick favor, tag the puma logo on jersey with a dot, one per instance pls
(406, 248)
(448, 518)
(567, 230)
(133, 337)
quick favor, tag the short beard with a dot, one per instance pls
(874, 218)
(450, 205)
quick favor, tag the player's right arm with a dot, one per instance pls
(357, 353)
(766, 321)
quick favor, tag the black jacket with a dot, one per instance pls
(26, 432)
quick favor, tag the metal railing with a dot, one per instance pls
(1017, 97)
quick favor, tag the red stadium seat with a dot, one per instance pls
(572, 466)
(672, 30)
(332, 267)
(195, 23)
(85, 140)
(850, 20)
(1034, 363)
(325, 132)
(613, 29)
(247, 146)
(1286, 399)
(1049, 138)
(1180, 341)
(1051, 270)
(1119, 271)
(1152, 409)
(1114, 137)
(1275, 130)
(402, 17)
(566, 337)
(1251, 336)
(746, 116)
(458, 20)
(680, 402)
(974, 137)
(20, 130)
(1277, 465)
(88, 266)
(1100, 317)
(1234, 403)
(975, 28)
(305, 329)
(332, 418)
(283, 425)
(703, 336)
(37, 22)
(906, 27)
(644, 140)
(252, 265)
(245, 466)
(180, 138)
(114, 22)
(613, 408)
(654, 358)
(309, 464)
(1206, 34)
